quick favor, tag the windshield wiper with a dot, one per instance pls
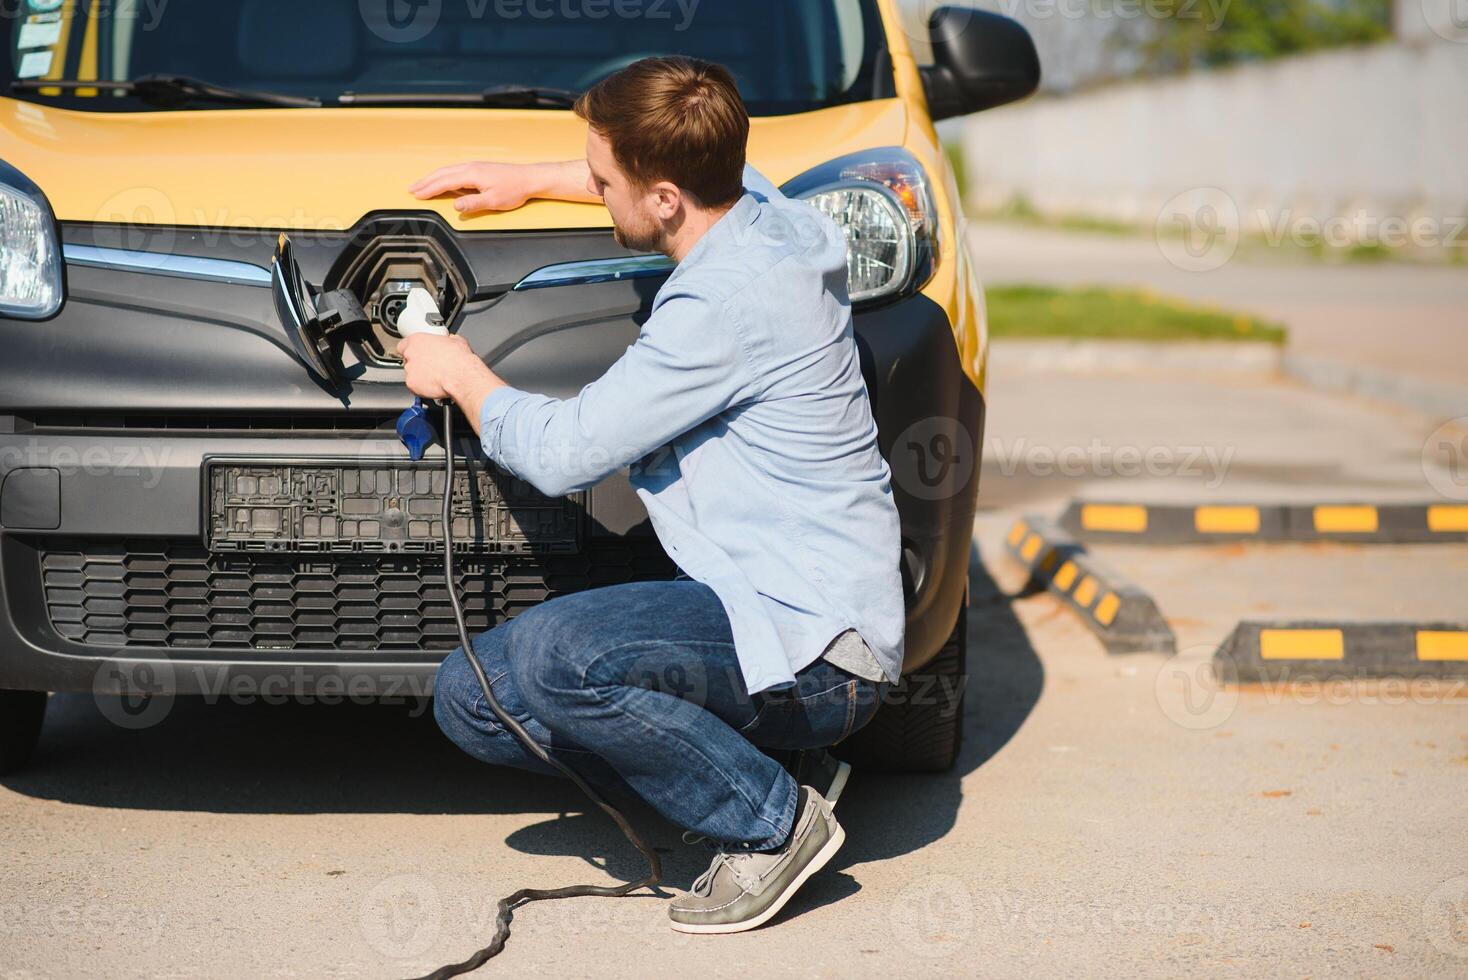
(171, 91)
(499, 97)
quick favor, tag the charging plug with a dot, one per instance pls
(419, 316)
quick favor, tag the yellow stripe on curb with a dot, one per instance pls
(1086, 591)
(1346, 520)
(1302, 645)
(1441, 518)
(1226, 520)
(1114, 517)
(1106, 610)
(1017, 533)
(1031, 547)
(1441, 645)
(1066, 576)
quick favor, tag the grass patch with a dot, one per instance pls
(1019, 210)
(1099, 313)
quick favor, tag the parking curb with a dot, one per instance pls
(1119, 612)
(1258, 651)
(1420, 394)
(1419, 523)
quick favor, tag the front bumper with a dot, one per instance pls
(117, 593)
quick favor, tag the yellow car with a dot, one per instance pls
(201, 198)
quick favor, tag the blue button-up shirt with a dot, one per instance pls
(743, 417)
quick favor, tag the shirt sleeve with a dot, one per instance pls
(689, 363)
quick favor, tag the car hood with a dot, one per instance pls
(323, 169)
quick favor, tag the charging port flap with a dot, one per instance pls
(315, 322)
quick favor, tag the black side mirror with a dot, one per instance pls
(981, 60)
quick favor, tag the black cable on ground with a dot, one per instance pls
(507, 905)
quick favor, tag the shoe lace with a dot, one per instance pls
(725, 859)
(705, 881)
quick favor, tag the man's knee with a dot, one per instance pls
(543, 656)
(453, 696)
(464, 717)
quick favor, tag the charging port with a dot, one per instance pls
(385, 261)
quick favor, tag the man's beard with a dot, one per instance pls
(642, 238)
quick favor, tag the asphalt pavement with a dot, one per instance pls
(1109, 816)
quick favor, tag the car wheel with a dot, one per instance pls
(919, 727)
(21, 714)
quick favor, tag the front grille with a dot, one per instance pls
(152, 593)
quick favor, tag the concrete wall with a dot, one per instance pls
(1381, 130)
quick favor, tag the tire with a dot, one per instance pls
(919, 728)
(21, 715)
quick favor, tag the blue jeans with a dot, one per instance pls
(636, 687)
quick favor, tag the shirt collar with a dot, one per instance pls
(737, 219)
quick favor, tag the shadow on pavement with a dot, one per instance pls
(887, 816)
(227, 757)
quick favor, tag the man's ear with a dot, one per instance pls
(667, 199)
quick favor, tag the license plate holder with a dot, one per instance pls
(380, 506)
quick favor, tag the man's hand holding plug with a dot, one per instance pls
(447, 367)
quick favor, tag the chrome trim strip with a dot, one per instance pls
(595, 271)
(164, 264)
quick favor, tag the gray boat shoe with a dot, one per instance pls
(744, 890)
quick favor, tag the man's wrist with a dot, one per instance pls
(542, 180)
(470, 389)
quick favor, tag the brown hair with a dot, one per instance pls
(675, 119)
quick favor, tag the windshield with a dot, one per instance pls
(788, 55)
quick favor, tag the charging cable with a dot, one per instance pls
(507, 905)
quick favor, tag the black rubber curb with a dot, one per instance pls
(1123, 615)
(1258, 651)
(1191, 524)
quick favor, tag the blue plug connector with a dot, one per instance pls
(415, 430)
(420, 315)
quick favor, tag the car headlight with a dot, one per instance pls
(883, 203)
(31, 283)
